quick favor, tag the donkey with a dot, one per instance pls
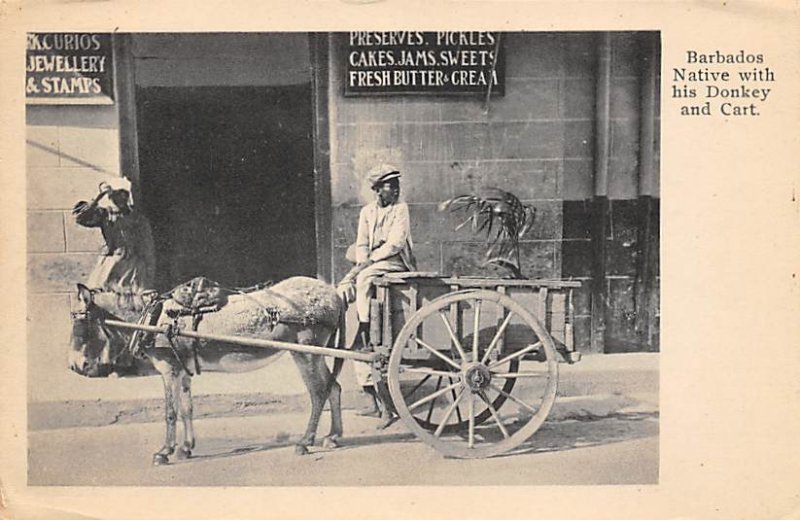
(297, 310)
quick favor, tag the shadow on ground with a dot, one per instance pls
(556, 436)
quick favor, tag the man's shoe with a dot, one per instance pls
(387, 419)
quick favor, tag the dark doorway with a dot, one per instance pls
(631, 272)
(227, 181)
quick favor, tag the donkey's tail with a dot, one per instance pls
(339, 343)
(340, 338)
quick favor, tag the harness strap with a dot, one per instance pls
(140, 340)
(170, 335)
(196, 319)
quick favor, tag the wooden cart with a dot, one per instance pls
(472, 362)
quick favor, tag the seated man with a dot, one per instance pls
(383, 245)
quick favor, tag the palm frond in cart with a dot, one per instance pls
(504, 219)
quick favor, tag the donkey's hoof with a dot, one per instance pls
(159, 459)
(330, 443)
(299, 449)
(184, 453)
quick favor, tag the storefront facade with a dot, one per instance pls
(247, 153)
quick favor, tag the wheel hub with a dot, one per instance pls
(477, 377)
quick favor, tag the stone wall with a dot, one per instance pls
(70, 150)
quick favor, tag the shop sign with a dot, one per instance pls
(411, 62)
(69, 68)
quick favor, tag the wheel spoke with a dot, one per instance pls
(429, 371)
(458, 410)
(519, 402)
(430, 410)
(494, 414)
(497, 336)
(516, 354)
(449, 412)
(471, 412)
(433, 396)
(475, 331)
(453, 336)
(439, 354)
(416, 387)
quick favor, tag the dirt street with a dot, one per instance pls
(258, 451)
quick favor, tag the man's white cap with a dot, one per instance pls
(382, 173)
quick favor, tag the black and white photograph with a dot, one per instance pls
(364, 258)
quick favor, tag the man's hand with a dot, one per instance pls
(347, 291)
(363, 265)
(350, 277)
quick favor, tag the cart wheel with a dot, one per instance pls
(452, 400)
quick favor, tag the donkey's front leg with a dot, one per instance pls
(171, 417)
(184, 391)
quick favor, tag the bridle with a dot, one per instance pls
(86, 318)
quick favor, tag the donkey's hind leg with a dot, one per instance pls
(335, 402)
(316, 384)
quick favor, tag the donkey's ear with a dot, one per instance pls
(84, 293)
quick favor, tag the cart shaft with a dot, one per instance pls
(250, 342)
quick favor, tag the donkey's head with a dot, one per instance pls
(96, 350)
